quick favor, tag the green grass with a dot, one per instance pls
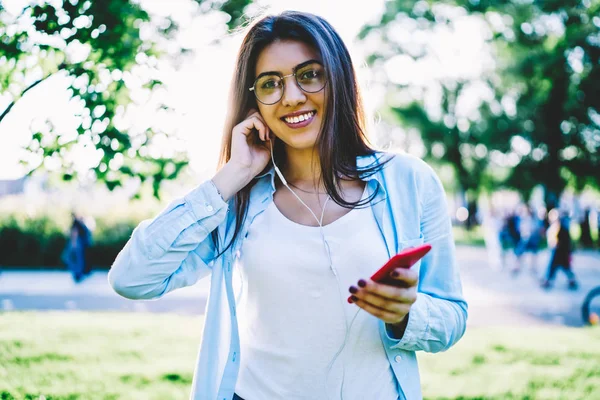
(97, 355)
(75, 355)
(521, 363)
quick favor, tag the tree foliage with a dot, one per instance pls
(107, 50)
(540, 121)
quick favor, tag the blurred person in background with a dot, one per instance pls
(598, 225)
(75, 255)
(492, 224)
(309, 323)
(585, 238)
(509, 233)
(559, 240)
(531, 233)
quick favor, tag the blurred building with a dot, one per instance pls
(12, 186)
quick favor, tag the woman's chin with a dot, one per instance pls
(301, 141)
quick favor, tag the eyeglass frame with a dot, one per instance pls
(282, 77)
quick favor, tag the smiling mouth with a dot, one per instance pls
(299, 118)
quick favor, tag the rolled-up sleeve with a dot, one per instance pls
(172, 250)
(437, 320)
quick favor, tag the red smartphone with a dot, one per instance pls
(405, 259)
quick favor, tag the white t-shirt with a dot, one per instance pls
(290, 312)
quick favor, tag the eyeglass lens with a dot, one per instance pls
(269, 88)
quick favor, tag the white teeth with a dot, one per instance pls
(299, 118)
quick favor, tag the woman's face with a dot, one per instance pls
(296, 118)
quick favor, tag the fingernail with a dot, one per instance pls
(353, 289)
(395, 274)
(362, 283)
(354, 298)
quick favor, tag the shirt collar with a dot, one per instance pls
(362, 162)
(270, 173)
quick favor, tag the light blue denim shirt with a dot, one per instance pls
(175, 250)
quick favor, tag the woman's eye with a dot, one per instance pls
(270, 84)
(311, 74)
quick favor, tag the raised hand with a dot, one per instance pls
(247, 151)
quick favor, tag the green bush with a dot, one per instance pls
(108, 241)
(39, 241)
(28, 241)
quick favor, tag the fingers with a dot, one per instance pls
(386, 301)
(251, 123)
(385, 297)
(255, 121)
(385, 315)
(386, 292)
(407, 277)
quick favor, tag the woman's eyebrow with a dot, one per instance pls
(297, 67)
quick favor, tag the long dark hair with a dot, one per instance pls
(343, 127)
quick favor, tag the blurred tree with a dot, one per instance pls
(108, 50)
(540, 118)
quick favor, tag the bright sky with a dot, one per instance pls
(199, 88)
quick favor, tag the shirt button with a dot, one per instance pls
(398, 359)
(209, 208)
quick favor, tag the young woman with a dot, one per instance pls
(302, 211)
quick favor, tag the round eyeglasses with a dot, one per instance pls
(269, 86)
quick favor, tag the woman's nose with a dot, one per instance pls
(292, 94)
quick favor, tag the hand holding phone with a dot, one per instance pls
(405, 259)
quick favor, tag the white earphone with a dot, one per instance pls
(319, 220)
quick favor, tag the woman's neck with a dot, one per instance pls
(303, 168)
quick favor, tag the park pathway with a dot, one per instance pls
(495, 297)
